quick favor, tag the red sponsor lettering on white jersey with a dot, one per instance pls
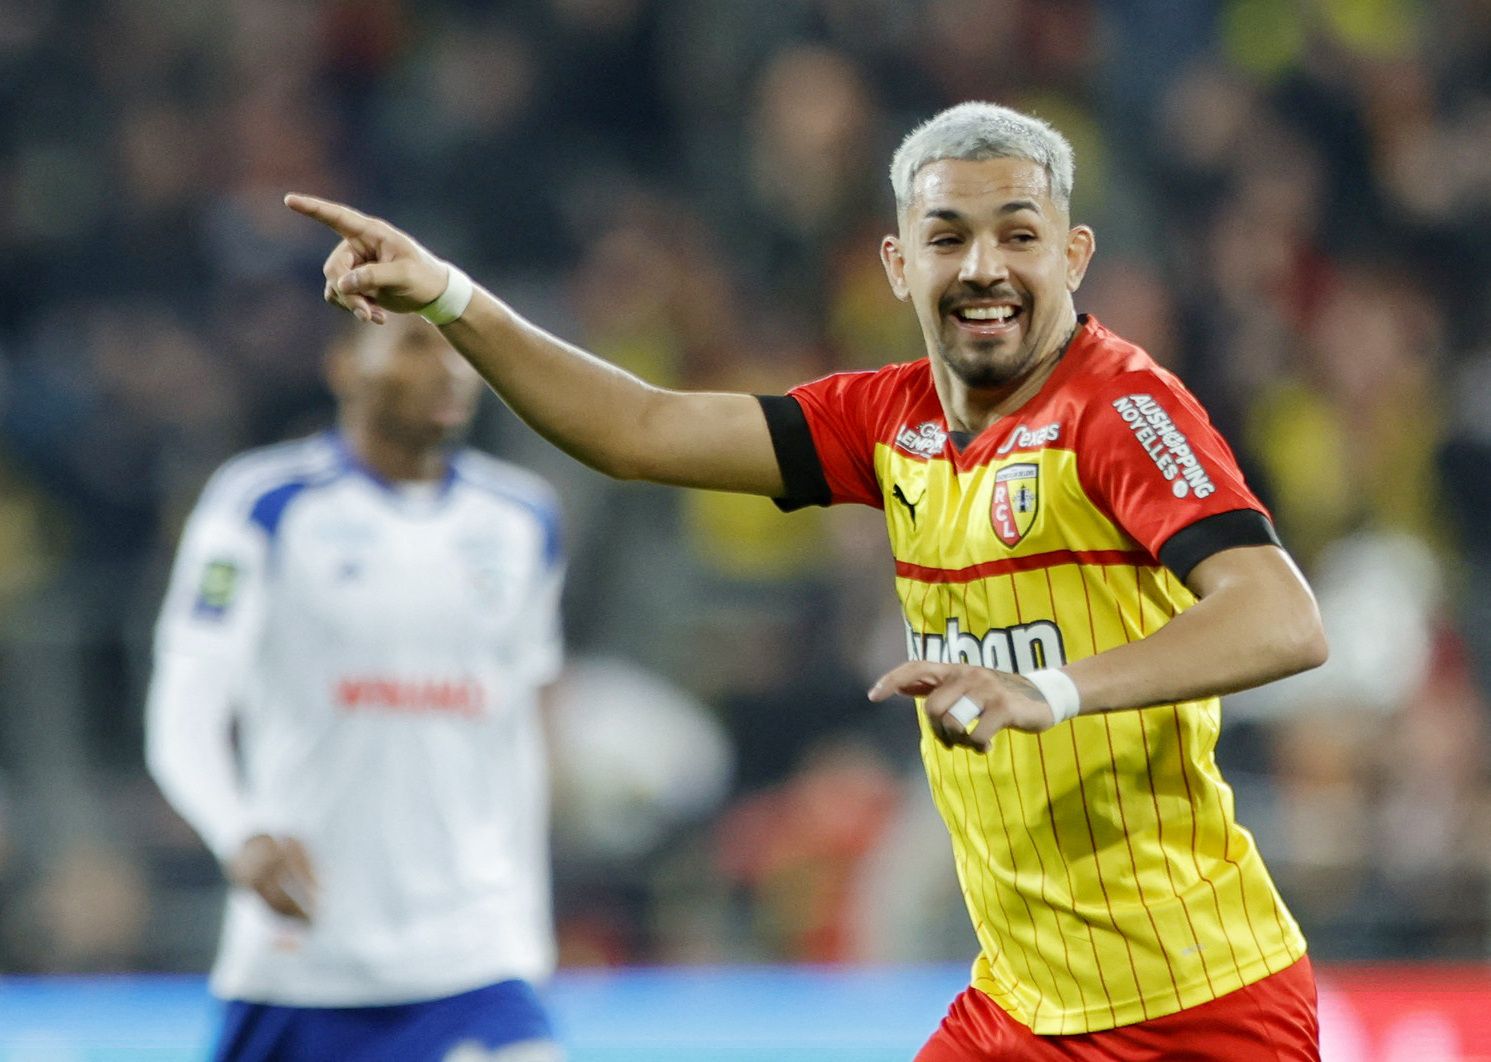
(463, 697)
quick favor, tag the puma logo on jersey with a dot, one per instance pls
(900, 495)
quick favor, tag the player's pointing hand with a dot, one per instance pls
(968, 705)
(376, 268)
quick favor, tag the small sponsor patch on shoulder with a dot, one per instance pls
(1167, 446)
(217, 589)
(925, 440)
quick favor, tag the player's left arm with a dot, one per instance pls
(1255, 621)
(1150, 457)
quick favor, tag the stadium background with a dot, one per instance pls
(1293, 207)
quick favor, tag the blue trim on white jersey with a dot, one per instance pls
(260, 485)
(238, 485)
(269, 510)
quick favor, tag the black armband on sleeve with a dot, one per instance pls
(1192, 544)
(797, 457)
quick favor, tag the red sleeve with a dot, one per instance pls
(841, 413)
(1149, 457)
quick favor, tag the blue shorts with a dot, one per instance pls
(484, 1019)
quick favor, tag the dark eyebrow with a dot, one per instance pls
(1014, 206)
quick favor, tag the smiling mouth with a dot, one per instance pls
(987, 319)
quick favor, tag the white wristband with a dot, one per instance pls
(1060, 692)
(452, 301)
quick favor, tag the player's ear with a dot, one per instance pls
(1081, 241)
(893, 257)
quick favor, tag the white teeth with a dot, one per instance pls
(987, 313)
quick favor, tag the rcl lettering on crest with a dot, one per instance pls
(1021, 649)
(1028, 439)
(1166, 445)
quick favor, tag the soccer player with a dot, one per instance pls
(1081, 568)
(345, 705)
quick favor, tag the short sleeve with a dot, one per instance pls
(826, 447)
(1149, 456)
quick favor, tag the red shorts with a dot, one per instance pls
(1272, 1020)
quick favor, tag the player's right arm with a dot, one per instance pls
(591, 409)
(206, 636)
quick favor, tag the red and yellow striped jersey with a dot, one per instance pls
(1106, 876)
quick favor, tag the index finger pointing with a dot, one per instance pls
(915, 678)
(342, 219)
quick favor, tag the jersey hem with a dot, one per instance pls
(1137, 1009)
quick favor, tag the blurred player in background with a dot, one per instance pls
(1072, 540)
(374, 615)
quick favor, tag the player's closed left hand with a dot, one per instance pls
(279, 870)
(967, 705)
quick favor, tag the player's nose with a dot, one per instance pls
(983, 263)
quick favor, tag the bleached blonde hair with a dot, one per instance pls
(976, 131)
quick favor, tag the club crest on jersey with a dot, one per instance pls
(925, 440)
(1016, 498)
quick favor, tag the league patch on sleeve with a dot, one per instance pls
(217, 589)
(1166, 445)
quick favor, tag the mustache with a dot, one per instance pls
(968, 293)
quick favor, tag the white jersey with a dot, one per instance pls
(380, 648)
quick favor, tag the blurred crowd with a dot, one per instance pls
(1293, 207)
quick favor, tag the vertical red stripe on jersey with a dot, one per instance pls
(1134, 863)
(1221, 817)
(1097, 960)
(1160, 835)
(1185, 908)
(1014, 867)
(981, 929)
(1185, 777)
(1097, 864)
(1216, 897)
(1093, 635)
(1066, 953)
(1169, 966)
(1035, 925)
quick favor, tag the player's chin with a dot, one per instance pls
(983, 369)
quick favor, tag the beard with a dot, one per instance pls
(980, 365)
(985, 364)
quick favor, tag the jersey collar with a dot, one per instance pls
(350, 462)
